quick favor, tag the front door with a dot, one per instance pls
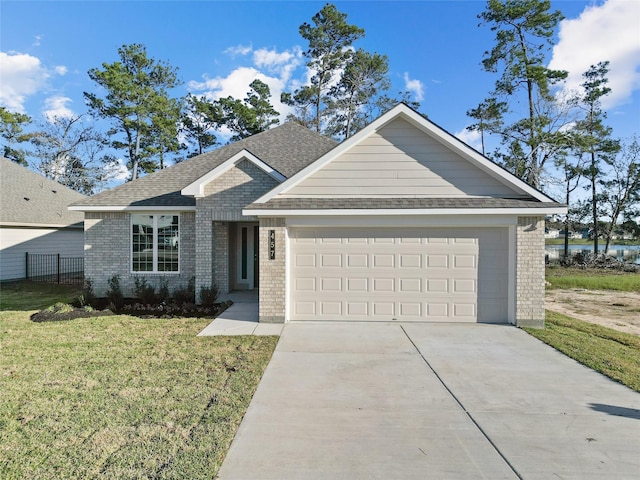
(247, 256)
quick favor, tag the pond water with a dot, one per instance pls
(628, 253)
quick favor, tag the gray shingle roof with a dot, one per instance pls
(287, 148)
(396, 203)
(27, 197)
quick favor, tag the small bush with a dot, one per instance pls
(145, 292)
(163, 291)
(186, 295)
(87, 297)
(114, 294)
(209, 296)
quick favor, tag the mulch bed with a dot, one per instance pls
(101, 308)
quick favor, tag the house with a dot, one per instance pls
(551, 233)
(401, 222)
(34, 218)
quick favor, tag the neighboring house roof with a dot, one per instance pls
(29, 199)
(287, 149)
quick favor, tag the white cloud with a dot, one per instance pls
(414, 86)
(270, 58)
(116, 171)
(602, 32)
(471, 138)
(56, 106)
(268, 65)
(22, 76)
(281, 63)
(239, 50)
(36, 40)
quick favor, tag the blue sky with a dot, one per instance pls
(434, 49)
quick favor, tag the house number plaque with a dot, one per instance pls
(272, 244)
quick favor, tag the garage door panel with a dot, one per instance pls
(413, 285)
(357, 285)
(438, 261)
(464, 261)
(382, 260)
(410, 261)
(305, 284)
(464, 286)
(305, 260)
(384, 309)
(437, 274)
(355, 260)
(437, 285)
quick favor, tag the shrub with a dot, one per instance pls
(87, 297)
(209, 296)
(114, 294)
(163, 291)
(145, 292)
(185, 295)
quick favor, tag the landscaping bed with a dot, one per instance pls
(102, 307)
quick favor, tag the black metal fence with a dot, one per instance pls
(53, 268)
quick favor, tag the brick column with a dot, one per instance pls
(272, 271)
(204, 249)
(221, 256)
(530, 272)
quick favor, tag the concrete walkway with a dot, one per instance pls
(241, 318)
(427, 401)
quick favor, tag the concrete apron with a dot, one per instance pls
(441, 401)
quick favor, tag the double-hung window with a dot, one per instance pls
(154, 243)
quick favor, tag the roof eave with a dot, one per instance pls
(520, 211)
(131, 208)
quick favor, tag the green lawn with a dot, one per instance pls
(612, 353)
(587, 241)
(25, 295)
(119, 397)
(592, 279)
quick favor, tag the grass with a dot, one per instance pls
(612, 353)
(25, 295)
(119, 396)
(587, 241)
(592, 279)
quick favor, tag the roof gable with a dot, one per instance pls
(197, 189)
(402, 154)
(400, 161)
(28, 198)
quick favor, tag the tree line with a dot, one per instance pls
(545, 138)
(148, 125)
(566, 132)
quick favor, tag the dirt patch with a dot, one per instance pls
(617, 310)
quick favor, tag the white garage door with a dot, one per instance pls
(408, 274)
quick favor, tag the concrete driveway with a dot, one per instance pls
(441, 401)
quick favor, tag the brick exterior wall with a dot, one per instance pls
(530, 272)
(228, 194)
(223, 202)
(108, 252)
(221, 256)
(272, 271)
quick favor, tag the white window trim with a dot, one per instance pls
(155, 270)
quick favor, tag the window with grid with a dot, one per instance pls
(155, 243)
